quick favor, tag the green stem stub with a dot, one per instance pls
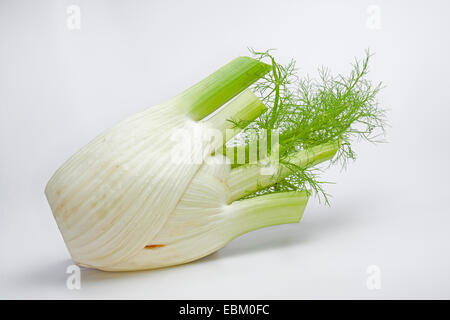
(244, 109)
(215, 90)
(248, 179)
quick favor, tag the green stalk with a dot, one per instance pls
(267, 210)
(240, 154)
(246, 107)
(215, 90)
(247, 179)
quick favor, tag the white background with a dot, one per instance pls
(59, 88)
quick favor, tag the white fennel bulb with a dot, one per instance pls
(140, 196)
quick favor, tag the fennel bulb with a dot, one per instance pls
(163, 187)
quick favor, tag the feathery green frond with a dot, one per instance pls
(308, 112)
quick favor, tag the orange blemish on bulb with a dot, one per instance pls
(154, 246)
